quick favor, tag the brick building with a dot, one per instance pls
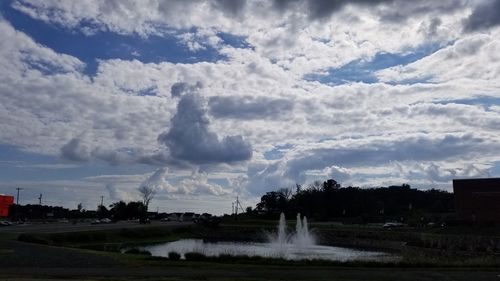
(477, 200)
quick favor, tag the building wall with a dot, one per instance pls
(477, 200)
(5, 202)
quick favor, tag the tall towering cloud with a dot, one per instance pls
(190, 137)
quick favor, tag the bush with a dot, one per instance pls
(136, 251)
(194, 256)
(174, 256)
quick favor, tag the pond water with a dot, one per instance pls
(277, 250)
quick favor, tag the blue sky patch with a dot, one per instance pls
(484, 101)
(16, 164)
(363, 71)
(108, 45)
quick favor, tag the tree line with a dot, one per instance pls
(329, 200)
(117, 211)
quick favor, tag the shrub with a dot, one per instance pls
(136, 251)
(194, 256)
(174, 256)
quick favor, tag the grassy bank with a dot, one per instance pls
(109, 240)
(416, 249)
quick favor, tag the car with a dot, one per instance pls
(144, 221)
(391, 225)
(96, 221)
(106, 220)
(5, 223)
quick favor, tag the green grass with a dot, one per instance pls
(419, 255)
(108, 240)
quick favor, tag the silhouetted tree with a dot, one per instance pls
(135, 209)
(119, 210)
(328, 200)
(147, 194)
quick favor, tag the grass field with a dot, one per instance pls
(91, 255)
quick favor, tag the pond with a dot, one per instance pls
(288, 251)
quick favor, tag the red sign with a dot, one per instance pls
(5, 202)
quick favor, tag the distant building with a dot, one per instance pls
(188, 216)
(5, 202)
(477, 200)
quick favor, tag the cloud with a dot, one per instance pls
(197, 184)
(361, 161)
(473, 57)
(340, 174)
(191, 139)
(418, 113)
(483, 16)
(249, 107)
(230, 7)
(74, 150)
(262, 178)
(180, 88)
(379, 152)
(319, 9)
(442, 172)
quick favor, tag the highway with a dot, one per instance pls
(58, 227)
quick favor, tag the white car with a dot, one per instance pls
(106, 220)
(5, 223)
(391, 225)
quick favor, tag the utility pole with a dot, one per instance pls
(102, 198)
(237, 205)
(17, 198)
(17, 202)
(40, 200)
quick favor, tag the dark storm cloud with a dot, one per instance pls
(190, 138)
(248, 107)
(377, 153)
(484, 16)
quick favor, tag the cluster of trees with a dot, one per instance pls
(132, 210)
(116, 211)
(123, 211)
(328, 200)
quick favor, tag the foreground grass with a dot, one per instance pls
(109, 240)
(415, 266)
(117, 239)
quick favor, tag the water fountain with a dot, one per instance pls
(301, 237)
(292, 245)
(285, 243)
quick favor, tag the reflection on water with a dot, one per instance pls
(290, 251)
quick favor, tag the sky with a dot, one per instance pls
(208, 100)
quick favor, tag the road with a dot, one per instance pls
(69, 227)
